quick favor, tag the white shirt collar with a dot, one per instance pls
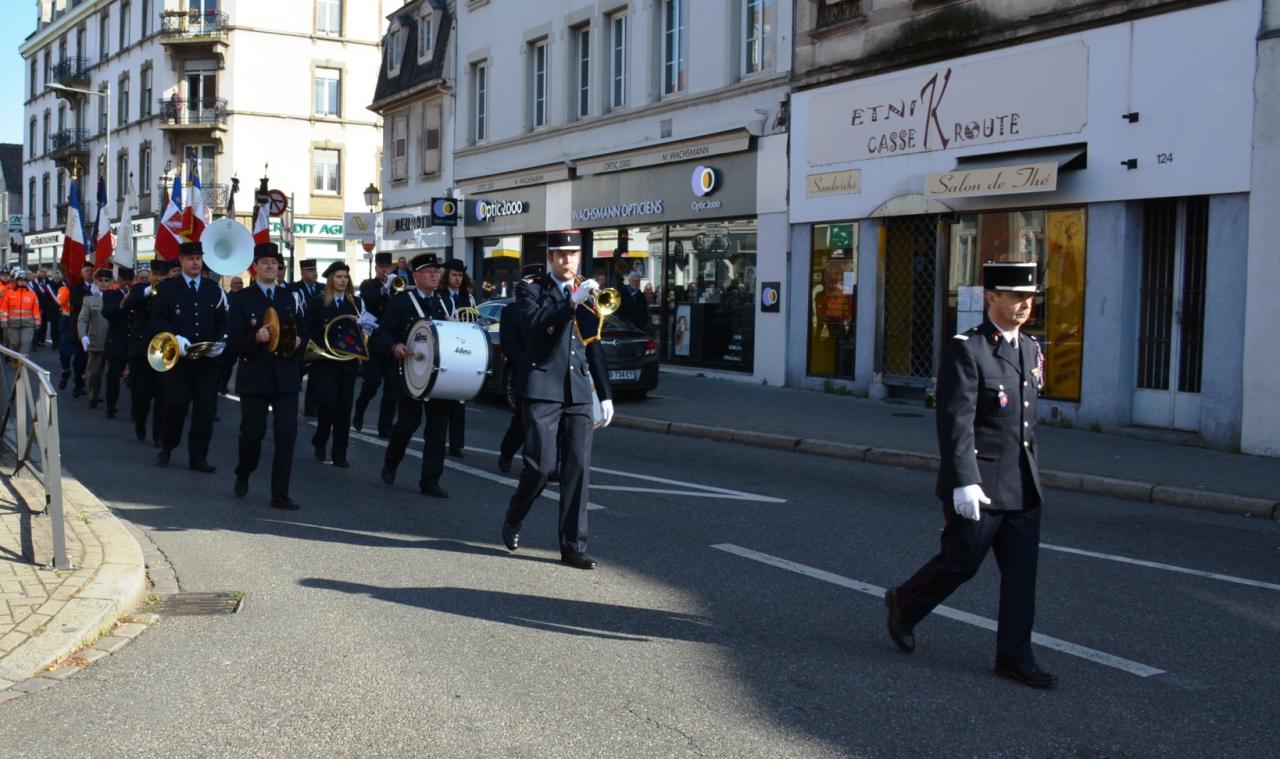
(191, 280)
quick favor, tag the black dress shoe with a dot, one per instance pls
(242, 487)
(433, 489)
(510, 536)
(111, 413)
(162, 458)
(456, 453)
(202, 466)
(577, 560)
(93, 403)
(77, 392)
(62, 384)
(140, 433)
(388, 476)
(284, 502)
(385, 435)
(554, 476)
(504, 464)
(342, 463)
(320, 453)
(903, 636)
(1029, 675)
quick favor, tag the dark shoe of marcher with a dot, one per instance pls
(433, 489)
(77, 392)
(554, 476)
(388, 476)
(284, 502)
(320, 453)
(242, 487)
(93, 402)
(384, 434)
(504, 464)
(162, 458)
(111, 413)
(902, 635)
(310, 413)
(140, 433)
(456, 453)
(202, 466)
(342, 463)
(577, 560)
(510, 536)
(62, 384)
(1028, 675)
(357, 419)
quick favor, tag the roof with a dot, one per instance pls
(11, 167)
(412, 74)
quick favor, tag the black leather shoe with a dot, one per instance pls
(434, 490)
(554, 476)
(456, 453)
(284, 502)
(140, 433)
(510, 536)
(111, 413)
(504, 464)
(93, 403)
(162, 458)
(1030, 675)
(77, 392)
(388, 476)
(242, 487)
(385, 435)
(62, 384)
(357, 419)
(903, 636)
(320, 453)
(202, 466)
(577, 560)
(342, 463)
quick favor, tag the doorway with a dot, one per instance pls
(911, 308)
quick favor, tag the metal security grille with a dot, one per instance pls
(1155, 324)
(910, 296)
(1192, 311)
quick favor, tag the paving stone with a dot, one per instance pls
(63, 672)
(34, 684)
(128, 630)
(11, 640)
(29, 625)
(144, 618)
(90, 655)
(110, 643)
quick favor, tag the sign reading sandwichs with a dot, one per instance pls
(1038, 93)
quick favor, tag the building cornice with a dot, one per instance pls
(420, 91)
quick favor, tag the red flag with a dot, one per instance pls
(105, 245)
(167, 235)
(73, 243)
(262, 225)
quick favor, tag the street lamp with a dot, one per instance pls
(371, 196)
(106, 132)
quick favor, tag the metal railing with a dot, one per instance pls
(183, 111)
(71, 70)
(194, 24)
(66, 141)
(29, 428)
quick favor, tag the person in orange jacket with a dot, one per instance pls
(66, 349)
(20, 313)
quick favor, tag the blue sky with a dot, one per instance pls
(19, 22)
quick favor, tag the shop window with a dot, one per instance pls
(833, 288)
(630, 256)
(709, 305)
(1056, 241)
(499, 265)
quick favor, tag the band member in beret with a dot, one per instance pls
(335, 380)
(144, 382)
(989, 481)
(382, 369)
(455, 293)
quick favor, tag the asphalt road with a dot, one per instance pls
(378, 622)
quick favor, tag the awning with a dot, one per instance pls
(1010, 173)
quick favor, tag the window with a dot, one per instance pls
(833, 287)
(424, 32)
(329, 17)
(31, 139)
(833, 12)
(44, 189)
(399, 147)
(124, 25)
(104, 31)
(61, 197)
(757, 36)
(35, 83)
(145, 91)
(48, 66)
(328, 179)
(582, 72)
(395, 50)
(479, 102)
(144, 169)
(82, 42)
(431, 118)
(328, 92)
(538, 78)
(122, 174)
(62, 116)
(103, 107)
(46, 133)
(146, 18)
(673, 56)
(31, 205)
(123, 100)
(618, 60)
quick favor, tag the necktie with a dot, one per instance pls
(270, 294)
(192, 284)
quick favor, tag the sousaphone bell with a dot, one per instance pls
(228, 246)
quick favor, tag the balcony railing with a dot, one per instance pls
(71, 71)
(193, 25)
(215, 197)
(836, 12)
(176, 111)
(68, 141)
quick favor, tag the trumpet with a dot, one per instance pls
(468, 314)
(163, 351)
(605, 301)
(398, 284)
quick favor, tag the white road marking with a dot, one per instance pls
(1165, 567)
(1099, 657)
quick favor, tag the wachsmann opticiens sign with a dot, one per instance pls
(1038, 93)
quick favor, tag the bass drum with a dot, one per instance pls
(448, 360)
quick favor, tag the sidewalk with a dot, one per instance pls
(45, 614)
(902, 434)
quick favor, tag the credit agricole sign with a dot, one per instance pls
(1020, 96)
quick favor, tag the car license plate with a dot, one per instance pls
(623, 374)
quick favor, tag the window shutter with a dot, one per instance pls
(400, 159)
(431, 139)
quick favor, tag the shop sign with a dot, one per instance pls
(509, 181)
(676, 152)
(403, 226)
(360, 226)
(45, 240)
(668, 193)
(770, 297)
(618, 211)
(143, 227)
(484, 211)
(15, 222)
(324, 229)
(1038, 93)
(1004, 180)
(833, 183)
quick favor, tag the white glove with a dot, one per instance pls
(968, 501)
(147, 292)
(84, 342)
(183, 344)
(93, 289)
(583, 291)
(368, 322)
(606, 408)
(217, 349)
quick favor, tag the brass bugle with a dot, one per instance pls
(163, 351)
(398, 284)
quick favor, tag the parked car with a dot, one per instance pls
(630, 355)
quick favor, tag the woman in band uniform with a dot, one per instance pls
(335, 380)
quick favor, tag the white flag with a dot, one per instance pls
(125, 254)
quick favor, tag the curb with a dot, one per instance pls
(1129, 490)
(118, 584)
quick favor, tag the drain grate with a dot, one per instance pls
(195, 603)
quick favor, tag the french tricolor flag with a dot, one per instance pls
(105, 243)
(73, 249)
(262, 224)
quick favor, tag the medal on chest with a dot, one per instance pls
(1003, 397)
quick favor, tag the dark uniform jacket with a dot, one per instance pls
(199, 317)
(987, 394)
(393, 327)
(138, 305)
(635, 308)
(452, 303)
(321, 314)
(376, 302)
(117, 324)
(260, 372)
(557, 366)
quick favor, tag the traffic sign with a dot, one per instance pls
(279, 202)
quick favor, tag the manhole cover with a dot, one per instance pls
(910, 414)
(195, 603)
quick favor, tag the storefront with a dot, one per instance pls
(504, 228)
(1090, 154)
(407, 232)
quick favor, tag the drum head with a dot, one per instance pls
(419, 367)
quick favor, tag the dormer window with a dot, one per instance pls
(395, 49)
(425, 33)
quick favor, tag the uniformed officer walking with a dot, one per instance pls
(266, 381)
(421, 301)
(382, 369)
(987, 387)
(144, 382)
(511, 341)
(195, 310)
(554, 383)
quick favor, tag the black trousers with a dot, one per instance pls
(311, 400)
(513, 438)
(226, 365)
(115, 371)
(337, 386)
(1014, 536)
(458, 426)
(144, 388)
(79, 362)
(381, 371)
(193, 383)
(254, 408)
(408, 417)
(544, 423)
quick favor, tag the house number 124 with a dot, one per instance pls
(1164, 157)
